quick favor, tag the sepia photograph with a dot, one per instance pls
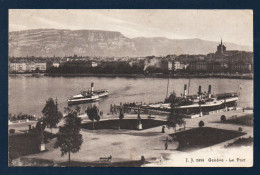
(130, 88)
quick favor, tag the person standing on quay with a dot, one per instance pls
(163, 129)
(166, 145)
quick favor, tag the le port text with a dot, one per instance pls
(214, 160)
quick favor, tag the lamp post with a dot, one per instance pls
(139, 120)
(42, 145)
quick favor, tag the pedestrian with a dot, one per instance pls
(163, 128)
(243, 109)
(166, 145)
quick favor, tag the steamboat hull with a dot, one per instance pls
(102, 93)
(80, 101)
(196, 108)
(88, 96)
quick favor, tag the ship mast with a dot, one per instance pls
(199, 93)
(168, 84)
(225, 105)
(189, 87)
(169, 69)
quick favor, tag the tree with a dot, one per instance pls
(93, 114)
(51, 114)
(69, 139)
(175, 119)
(40, 126)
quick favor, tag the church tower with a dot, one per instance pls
(221, 49)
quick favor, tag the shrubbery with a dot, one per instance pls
(223, 118)
(21, 116)
(201, 123)
(12, 131)
(82, 67)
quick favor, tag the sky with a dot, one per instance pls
(235, 26)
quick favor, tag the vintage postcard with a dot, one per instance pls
(130, 88)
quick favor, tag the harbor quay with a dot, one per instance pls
(126, 145)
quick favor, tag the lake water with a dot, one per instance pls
(28, 94)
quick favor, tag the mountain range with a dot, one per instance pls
(59, 42)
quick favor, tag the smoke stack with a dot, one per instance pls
(92, 87)
(199, 93)
(185, 90)
(209, 91)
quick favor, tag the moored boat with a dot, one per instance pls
(196, 103)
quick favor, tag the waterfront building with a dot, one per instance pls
(176, 65)
(210, 55)
(26, 67)
(30, 67)
(93, 64)
(214, 66)
(241, 67)
(162, 64)
(50, 64)
(40, 66)
(17, 67)
(170, 66)
(224, 65)
(55, 64)
(231, 55)
(198, 66)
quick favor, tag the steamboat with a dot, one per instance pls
(194, 104)
(88, 96)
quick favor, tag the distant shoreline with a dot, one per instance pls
(228, 76)
(248, 77)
